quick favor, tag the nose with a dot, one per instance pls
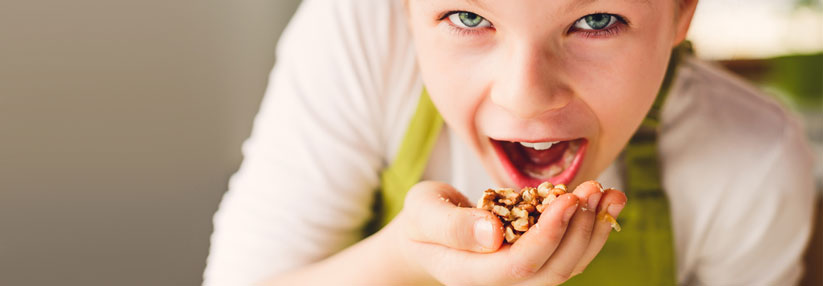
(530, 82)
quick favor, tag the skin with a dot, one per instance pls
(529, 75)
(533, 80)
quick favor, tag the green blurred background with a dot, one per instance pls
(121, 121)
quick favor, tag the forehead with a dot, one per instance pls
(569, 4)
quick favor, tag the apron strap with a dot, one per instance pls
(409, 163)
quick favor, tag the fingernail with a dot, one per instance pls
(599, 186)
(614, 210)
(569, 212)
(484, 233)
(593, 200)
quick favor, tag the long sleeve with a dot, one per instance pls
(311, 165)
(764, 243)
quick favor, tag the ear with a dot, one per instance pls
(683, 14)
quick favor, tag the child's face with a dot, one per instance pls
(581, 72)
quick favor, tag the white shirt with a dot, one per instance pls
(735, 166)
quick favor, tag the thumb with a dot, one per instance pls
(433, 214)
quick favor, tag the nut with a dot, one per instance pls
(529, 195)
(544, 188)
(519, 210)
(527, 207)
(509, 235)
(521, 224)
(502, 212)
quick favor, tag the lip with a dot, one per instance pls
(523, 180)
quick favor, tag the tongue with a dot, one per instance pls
(545, 157)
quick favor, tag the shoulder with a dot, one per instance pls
(712, 114)
(356, 56)
(720, 129)
(726, 105)
(360, 35)
(368, 25)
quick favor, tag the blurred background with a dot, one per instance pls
(121, 121)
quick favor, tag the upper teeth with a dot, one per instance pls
(539, 145)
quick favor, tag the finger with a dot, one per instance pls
(531, 250)
(561, 264)
(613, 202)
(589, 192)
(522, 259)
(433, 215)
(612, 208)
(459, 267)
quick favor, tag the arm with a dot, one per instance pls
(311, 164)
(433, 241)
(372, 261)
(304, 189)
(770, 236)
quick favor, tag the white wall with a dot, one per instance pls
(120, 123)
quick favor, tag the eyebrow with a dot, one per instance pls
(478, 3)
(574, 4)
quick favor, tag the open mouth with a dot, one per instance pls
(531, 163)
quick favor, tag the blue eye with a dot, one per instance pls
(596, 22)
(468, 20)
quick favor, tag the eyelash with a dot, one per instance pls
(615, 29)
(595, 34)
(463, 32)
(458, 31)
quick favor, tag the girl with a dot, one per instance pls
(464, 95)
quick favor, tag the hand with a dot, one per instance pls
(440, 237)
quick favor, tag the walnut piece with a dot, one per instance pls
(519, 210)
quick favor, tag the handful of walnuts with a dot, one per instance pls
(519, 210)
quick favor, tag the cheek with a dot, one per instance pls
(621, 78)
(626, 93)
(619, 84)
(453, 80)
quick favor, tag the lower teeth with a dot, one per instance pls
(558, 167)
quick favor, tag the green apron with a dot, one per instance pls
(641, 254)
